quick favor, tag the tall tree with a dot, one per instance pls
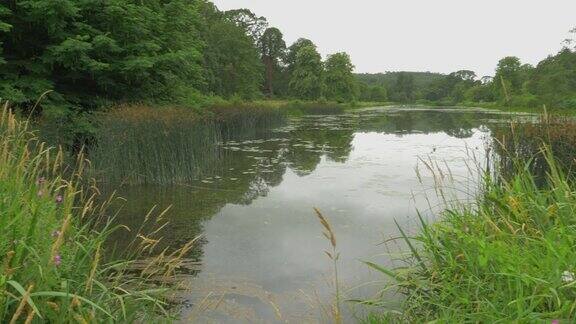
(465, 75)
(339, 80)
(306, 81)
(272, 48)
(253, 24)
(232, 64)
(508, 77)
(290, 59)
(403, 89)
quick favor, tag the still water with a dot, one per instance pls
(260, 256)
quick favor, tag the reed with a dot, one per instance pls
(522, 141)
(334, 256)
(50, 264)
(140, 144)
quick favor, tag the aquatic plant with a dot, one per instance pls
(522, 141)
(165, 145)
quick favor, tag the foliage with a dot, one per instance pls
(292, 52)
(307, 79)
(515, 85)
(554, 79)
(252, 24)
(112, 50)
(368, 93)
(340, 82)
(231, 59)
(508, 258)
(403, 89)
(272, 48)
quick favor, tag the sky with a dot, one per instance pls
(422, 35)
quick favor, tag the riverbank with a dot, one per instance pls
(52, 232)
(508, 256)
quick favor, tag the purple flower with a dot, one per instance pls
(40, 180)
(57, 259)
(59, 199)
(555, 321)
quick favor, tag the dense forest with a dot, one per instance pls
(88, 55)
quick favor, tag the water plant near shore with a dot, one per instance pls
(166, 145)
(52, 265)
(509, 257)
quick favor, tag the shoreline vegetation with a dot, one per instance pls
(146, 89)
(54, 263)
(509, 255)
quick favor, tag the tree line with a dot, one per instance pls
(93, 53)
(552, 82)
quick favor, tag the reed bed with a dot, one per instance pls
(509, 257)
(245, 120)
(521, 141)
(138, 144)
(52, 264)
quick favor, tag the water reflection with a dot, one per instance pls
(261, 253)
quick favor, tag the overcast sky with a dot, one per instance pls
(422, 35)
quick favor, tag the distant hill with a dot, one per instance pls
(421, 79)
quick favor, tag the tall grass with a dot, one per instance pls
(52, 264)
(334, 255)
(521, 141)
(141, 144)
(509, 258)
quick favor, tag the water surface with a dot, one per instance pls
(261, 253)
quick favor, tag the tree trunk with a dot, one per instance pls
(269, 64)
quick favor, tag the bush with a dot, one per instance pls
(568, 103)
(525, 100)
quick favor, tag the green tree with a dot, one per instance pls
(231, 60)
(253, 24)
(306, 80)
(554, 79)
(272, 48)
(290, 59)
(378, 94)
(508, 78)
(403, 89)
(339, 80)
(114, 50)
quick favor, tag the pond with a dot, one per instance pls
(260, 257)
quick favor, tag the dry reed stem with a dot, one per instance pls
(22, 305)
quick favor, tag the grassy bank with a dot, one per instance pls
(509, 257)
(52, 264)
